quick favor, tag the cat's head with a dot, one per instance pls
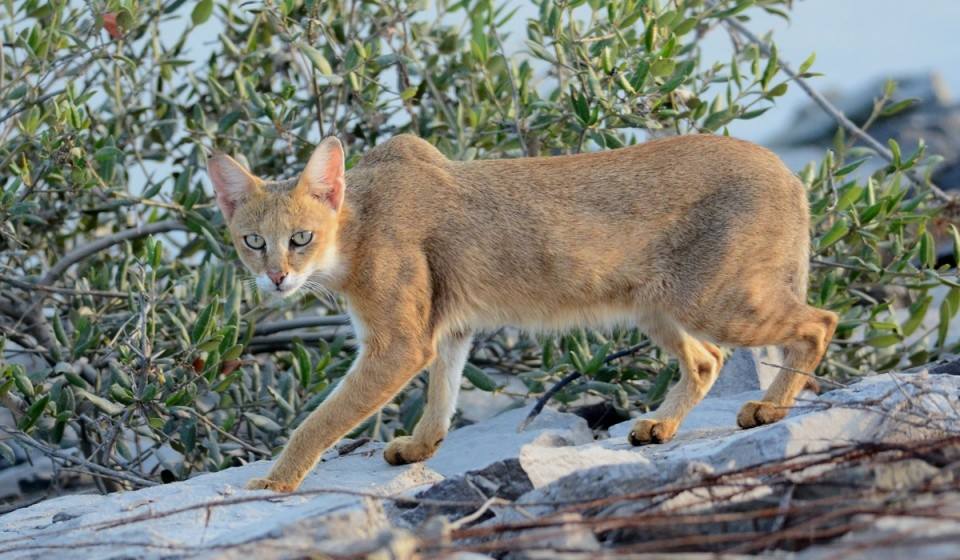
(285, 232)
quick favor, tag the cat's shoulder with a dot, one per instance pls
(403, 148)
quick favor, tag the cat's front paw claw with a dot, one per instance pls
(267, 484)
(649, 431)
(758, 413)
(405, 449)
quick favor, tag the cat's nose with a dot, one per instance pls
(277, 277)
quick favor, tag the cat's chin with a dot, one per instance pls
(280, 295)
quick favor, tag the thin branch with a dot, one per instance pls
(65, 291)
(834, 112)
(284, 341)
(67, 460)
(19, 311)
(571, 377)
(27, 104)
(207, 422)
(84, 251)
(264, 329)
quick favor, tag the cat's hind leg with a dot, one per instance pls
(699, 362)
(443, 387)
(804, 341)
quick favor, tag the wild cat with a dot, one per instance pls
(698, 240)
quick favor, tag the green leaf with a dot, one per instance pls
(228, 120)
(408, 93)
(928, 250)
(478, 378)
(303, 363)
(899, 106)
(778, 90)
(849, 168)
(770, 70)
(24, 385)
(233, 352)
(956, 242)
(895, 150)
(663, 67)
(918, 312)
(883, 340)
(33, 413)
(315, 57)
(943, 327)
(836, 233)
(103, 404)
(203, 322)
(262, 422)
(201, 11)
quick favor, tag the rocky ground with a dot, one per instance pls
(869, 470)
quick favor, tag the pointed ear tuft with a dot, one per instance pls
(232, 183)
(323, 177)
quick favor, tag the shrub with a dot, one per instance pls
(149, 350)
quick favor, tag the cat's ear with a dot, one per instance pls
(232, 183)
(323, 177)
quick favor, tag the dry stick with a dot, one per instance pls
(542, 401)
(67, 460)
(837, 115)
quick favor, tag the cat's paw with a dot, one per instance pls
(758, 413)
(267, 484)
(650, 430)
(405, 449)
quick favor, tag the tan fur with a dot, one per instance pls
(696, 239)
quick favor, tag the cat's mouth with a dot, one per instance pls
(289, 286)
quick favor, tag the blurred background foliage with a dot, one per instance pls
(132, 333)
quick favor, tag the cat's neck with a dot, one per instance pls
(334, 266)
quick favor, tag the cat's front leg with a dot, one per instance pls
(378, 374)
(442, 390)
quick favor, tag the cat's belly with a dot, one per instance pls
(538, 319)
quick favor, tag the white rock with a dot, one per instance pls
(25, 532)
(557, 452)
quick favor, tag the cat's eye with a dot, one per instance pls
(255, 242)
(301, 238)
